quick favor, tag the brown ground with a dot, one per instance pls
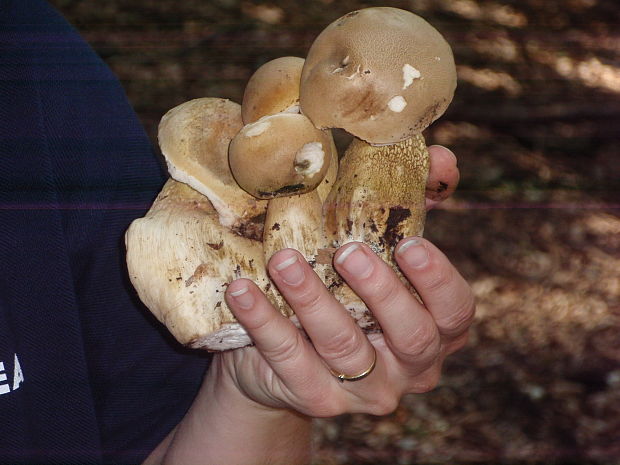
(534, 225)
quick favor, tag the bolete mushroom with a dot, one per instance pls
(383, 75)
(194, 138)
(273, 88)
(191, 244)
(280, 155)
(180, 260)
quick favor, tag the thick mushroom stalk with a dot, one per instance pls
(384, 75)
(383, 201)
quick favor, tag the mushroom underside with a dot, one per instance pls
(180, 261)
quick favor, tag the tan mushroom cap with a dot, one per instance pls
(279, 155)
(273, 88)
(194, 138)
(382, 74)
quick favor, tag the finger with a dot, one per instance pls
(408, 328)
(334, 334)
(445, 293)
(282, 345)
(443, 176)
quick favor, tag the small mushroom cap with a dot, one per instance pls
(382, 74)
(273, 88)
(280, 155)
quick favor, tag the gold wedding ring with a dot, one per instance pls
(342, 377)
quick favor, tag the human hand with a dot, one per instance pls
(286, 370)
(255, 404)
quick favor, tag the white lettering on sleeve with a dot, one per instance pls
(4, 386)
(18, 374)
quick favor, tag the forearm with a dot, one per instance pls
(225, 427)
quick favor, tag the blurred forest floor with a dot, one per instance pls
(534, 225)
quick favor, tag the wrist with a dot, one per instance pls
(226, 426)
(235, 404)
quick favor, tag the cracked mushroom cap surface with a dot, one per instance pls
(280, 155)
(382, 74)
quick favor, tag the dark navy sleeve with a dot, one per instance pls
(86, 374)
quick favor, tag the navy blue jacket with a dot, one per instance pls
(86, 374)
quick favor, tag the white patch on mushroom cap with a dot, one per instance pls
(309, 159)
(397, 104)
(256, 129)
(409, 74)
(356, 73)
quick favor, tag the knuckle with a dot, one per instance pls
(440, 280)
(310, 299)
(426, 383)
(460, 319)
(343, 345)
(384, 404)
(422, 344)
(287, 349)
(383, 290)
(457, 344)
(321, 406)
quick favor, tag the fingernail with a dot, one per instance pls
(243, 298)
(291, 271)
(355, 261)
(414, 253)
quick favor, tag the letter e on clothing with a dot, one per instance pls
(18, 377)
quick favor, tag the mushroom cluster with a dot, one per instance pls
(250, 179)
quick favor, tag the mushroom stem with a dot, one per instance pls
(295, 222)
(379, 196)
(377, 199)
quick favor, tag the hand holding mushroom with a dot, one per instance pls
(242, 249)
(281, 189)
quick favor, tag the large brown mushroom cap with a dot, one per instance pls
(382, 74)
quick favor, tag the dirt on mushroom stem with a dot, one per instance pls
(379, 201)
